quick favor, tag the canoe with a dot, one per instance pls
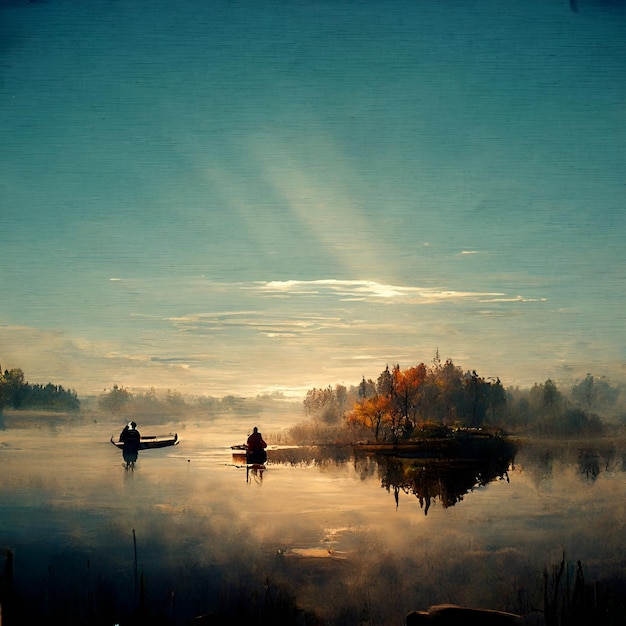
(149, 442)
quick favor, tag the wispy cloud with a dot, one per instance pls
(366, 289)
(515, 299)
(240, 337)
(266, 322)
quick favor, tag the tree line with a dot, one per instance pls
(424, 397)
(119, 401)
(17, 393)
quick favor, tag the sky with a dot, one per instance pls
(235, 197)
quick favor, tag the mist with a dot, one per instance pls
(211, 536)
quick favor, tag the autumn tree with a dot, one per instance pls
(391, 418)
(370, 412)
(406, 393)
(392, 408)
(402, 399)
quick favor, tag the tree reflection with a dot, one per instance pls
(446, 479)
(589, 463)
(592, 461)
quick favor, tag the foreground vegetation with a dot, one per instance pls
(80, 594)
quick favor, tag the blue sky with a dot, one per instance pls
(240, 197)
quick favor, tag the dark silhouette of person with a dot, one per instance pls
(131, 438)
(256, 447)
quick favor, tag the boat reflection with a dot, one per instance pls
(254, 472)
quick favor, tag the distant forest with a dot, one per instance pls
(119, 400)
(424, 398)
(398, 404)
(17, 393)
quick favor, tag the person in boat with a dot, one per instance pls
(256, 446)
(255, 441)
(131, 438)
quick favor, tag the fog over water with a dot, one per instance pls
(206, 528)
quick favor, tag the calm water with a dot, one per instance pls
(204, 525)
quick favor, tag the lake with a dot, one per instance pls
(192, 531)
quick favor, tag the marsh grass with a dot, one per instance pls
(374, 587)
(570, 600)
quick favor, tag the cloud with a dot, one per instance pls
(515, 299)
(269, 323)
(218, 338)
(365, 289)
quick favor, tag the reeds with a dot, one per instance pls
(569, 600)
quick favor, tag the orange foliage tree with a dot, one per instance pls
(442, 393)
(394, 407)
(371, 413)
(406, 391)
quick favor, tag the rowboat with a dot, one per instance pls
(250, 457)
(149, 442)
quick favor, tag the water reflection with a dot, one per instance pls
(589, 463)
(540, 464)
(447, 481)
(428, 479)
(592, 461)
(255, 473)
(311, 455)
(313, 521)
(252, 462)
